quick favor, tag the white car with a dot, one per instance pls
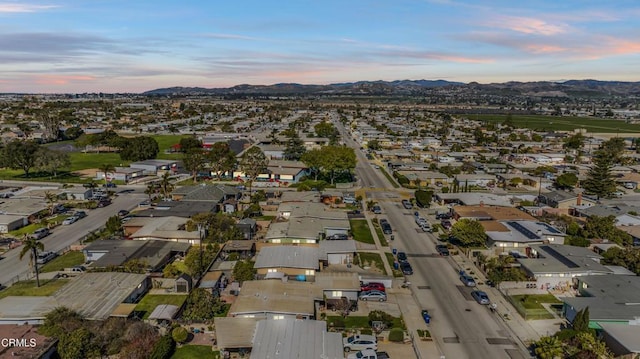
(360, 342)
(70, 220)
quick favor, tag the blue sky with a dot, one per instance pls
(137, 45)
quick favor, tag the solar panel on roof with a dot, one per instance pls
(520, 228)
(549, 228)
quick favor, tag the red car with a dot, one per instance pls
(372, 286)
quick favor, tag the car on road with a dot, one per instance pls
(360, 342)
(376, 167)
(373, 295)
(372, 286)
(123, 213)
(467, 280)
(70, 220)
(480, 297)
(426, 227)
(144, 204)
(402, 257)
(80, 214)
(104, 202)
(40, 233)
(376, 209)
(407, 204)
(421, 220)
(442, 249)
(109, 185)
(406, 268)
(426, 316)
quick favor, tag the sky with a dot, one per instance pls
(76, 46)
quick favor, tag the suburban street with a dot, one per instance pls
(461, 327)
(13, 269)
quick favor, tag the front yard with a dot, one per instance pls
(361, 231)
(373, 260)
(67, 260)
(28, 288)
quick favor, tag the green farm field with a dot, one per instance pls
(548, 123)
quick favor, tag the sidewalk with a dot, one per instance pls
(414, 321)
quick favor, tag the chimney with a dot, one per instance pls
(579, 200)
(481, 203)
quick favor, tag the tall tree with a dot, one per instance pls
(575, 142)
(605, 228)
(51, 199)
(138, 148)
(32, 246)
(165, 184)
(469, 233)
(194, 161)
(187, 143)
(328, 130)
(21, 155)
(151, 189)
(221, 159)
(107, 169)
(253, 163)
(51, 124)
(52, 161)
(295, 148)
(337, 159)
(599, 180)
(313, 159)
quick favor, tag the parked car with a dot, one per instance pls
(421, 220)
(375, 295)
(442, 249)
(104, 202)
(368, 354)
(426, 227)
(40, 233)
(70, 220)
(402, 257)
(376, 209)
(109, 185)
(446, 225)
(407, 204)
(123, 213)
(426, 316)
(360, 342)
(443, 216)
(45, 257)
(480, 297)
(372, 286)
(406, 268)
(467, 280)
(144, 204)
(80, 214)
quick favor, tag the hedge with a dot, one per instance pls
(396, 335)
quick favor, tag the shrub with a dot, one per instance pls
(164, 348)
(423, 198)
(380, 316)
(338, 322)
(396, 335)
(366, 332)
(180, 334)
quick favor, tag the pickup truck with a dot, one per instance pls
(368, 354)
(72, 272)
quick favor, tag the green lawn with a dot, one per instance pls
(19, 233)
(81, 161)
(361, 231)
(381, 237)
(66, 260)
(391, 259)
(28, 288)
(151, 301)
(195, 351)
(547, 123)
(352, 321)
(368, 259)
(532, 301)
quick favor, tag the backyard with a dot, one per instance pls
(67, 260)
(530, 305)
(151, 301)
(195, 351)
(28, 288)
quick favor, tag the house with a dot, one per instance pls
(183, 283)
(622, 338)
(566, 200)
(79, 193)
(306, 222)
(163, 314)
(243, 248)
(503, 235)
(235, 334)
(478, 180)
(474, 199)
(184, 209)
(114, 253)
(338, 285)
(124, 174)
(337, 252)
(296, 262)
(248, 227)
(218, 193)
(160, 228)
(314, 143)
(276, 299)
(272, 152)
(425, 178)
(10, 222)
(287, 172)
(555, 265)
(611, 299)
(295, 338)
(155, 167)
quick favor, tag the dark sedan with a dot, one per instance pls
(406, 268)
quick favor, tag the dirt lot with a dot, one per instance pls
(87, 173)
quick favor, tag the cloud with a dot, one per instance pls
(229, 37)
(61, 79)
(21, 8)
(527, 25)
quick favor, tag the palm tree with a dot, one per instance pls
(106, 169)
(150, 190)
(32, 245)
(51, 199)
(549, 348)
(165, 185)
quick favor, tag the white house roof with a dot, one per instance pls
(295, 338)
(288, 257)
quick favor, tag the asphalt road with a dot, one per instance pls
(462, 327)
(13, 269)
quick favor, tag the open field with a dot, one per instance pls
(548, 123)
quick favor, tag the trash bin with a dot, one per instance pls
(396, 265)
(394, 251)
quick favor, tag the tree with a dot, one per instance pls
(164, 348)
(336, 159)
(625, 257)
(140, 338)
(566, 181)
(107, 169)
(221, 159)
(51, 126)
(139, 149)
(195, 266)
(373, 145)
(113, 225)
(187, 143)
(75, 345)
(21, 155)
(73, 133)
(165, 185)
(202, 306)
(581, 320)
(52, 161)
(605, 228)
(253, 163)
(549, 348)
(575, 142)
(244, 271)
(599, 180)
(588, 346)
(32, 246)
(151, 189)
(327, 130)
(61, 321)
(180, 334)
(313, 159)
(194, 161)
(295, 148)
(469, 233)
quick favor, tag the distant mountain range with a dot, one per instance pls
(570, 88)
